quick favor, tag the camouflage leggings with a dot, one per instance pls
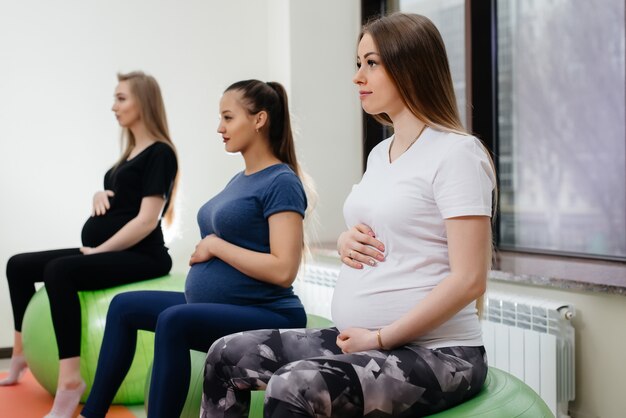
(310, 377)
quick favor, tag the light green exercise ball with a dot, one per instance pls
(194, 393)
(40, 347)
(502, 395)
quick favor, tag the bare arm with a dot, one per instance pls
(469, 248)
(135, 230)
(279, 267)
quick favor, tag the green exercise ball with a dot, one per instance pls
(42, 355)
(194, 394)
(502, 395)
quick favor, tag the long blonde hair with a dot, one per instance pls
(414, 55)
(147, 92)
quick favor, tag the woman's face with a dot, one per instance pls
(237, 126)
(377, 91)
(125, 106)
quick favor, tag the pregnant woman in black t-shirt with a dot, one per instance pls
(122, 240)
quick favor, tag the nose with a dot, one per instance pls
(220, 128)
(358, 78)
(114, 107)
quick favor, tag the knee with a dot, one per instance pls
(56, 276)
(300, 388)
(15, 266)
(121, 306)
(170, 325)
(237, 361)
(215, 355)
(225, 353)
(215, 359)
(239, 348)
(290, 380)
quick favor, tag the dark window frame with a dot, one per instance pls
(373, 132)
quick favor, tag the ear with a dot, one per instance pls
(260, 120)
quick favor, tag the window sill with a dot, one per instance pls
(561, 272)
(566, 273)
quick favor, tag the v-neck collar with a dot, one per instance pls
(422, 136)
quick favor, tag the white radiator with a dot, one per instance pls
(315, 287)
(532, 339)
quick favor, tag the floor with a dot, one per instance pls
(137, 410)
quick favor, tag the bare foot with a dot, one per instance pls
(66, 401)
(16, 370)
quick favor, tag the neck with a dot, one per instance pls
(143, 138)
(406, 126)
(258, 156)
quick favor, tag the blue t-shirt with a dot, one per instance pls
(239, 214)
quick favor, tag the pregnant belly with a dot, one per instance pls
(373, 297)
(98, 229)
(217, 282)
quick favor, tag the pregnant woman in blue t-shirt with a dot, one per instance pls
(122, 240)
(242, 269)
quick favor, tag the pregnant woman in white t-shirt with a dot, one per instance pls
(407, 341)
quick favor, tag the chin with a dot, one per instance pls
(231, 150)
(370, 110)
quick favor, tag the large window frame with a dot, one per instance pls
(482, 120)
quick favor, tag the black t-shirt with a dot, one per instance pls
(149, 173)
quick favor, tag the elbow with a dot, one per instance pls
(147, 224)
(477, 286)
(285, 277)
(472, 284)
(285, 281)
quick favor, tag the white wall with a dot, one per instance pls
(57, 76)
(325, 102)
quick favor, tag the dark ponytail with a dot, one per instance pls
(272, 98)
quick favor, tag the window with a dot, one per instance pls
(449, 17)
(562, 135)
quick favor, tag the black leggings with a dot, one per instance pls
(67, 271)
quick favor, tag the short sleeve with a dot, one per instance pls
(464, 181)
(107, 183)
(160, 172)
(284, 194)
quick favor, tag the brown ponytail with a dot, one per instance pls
(271, 97)
(284, 149)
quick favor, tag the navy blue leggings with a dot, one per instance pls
(179, 327)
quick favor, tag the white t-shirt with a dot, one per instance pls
(442, 175)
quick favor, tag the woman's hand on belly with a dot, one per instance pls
(358, 245)
(352, 340)
(101, 202)
(88, 250)
(203, 250)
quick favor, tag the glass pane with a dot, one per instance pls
(449, 17)
(561, 81)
